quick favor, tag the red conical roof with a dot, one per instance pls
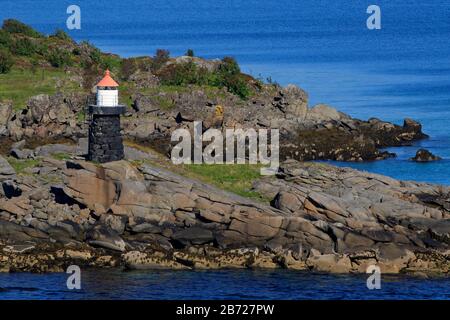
(107, 81)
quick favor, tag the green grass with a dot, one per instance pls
(19, 85)
(236, 178)
(81, 116)
(61, 156)
(21, 165)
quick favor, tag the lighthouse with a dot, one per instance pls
(105, 139)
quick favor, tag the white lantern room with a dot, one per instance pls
(107, 91)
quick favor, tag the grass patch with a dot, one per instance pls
(21, 165)
(165, 103)
(236, 178)
(19, 85)
(61, 156)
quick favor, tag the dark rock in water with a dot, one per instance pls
(423, 155)
(412, 125)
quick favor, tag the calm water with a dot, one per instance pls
(227, 284)
(323, 46)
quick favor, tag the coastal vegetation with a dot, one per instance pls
(32, 63)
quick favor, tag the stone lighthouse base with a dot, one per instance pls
(105, 139)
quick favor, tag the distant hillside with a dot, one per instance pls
(33, 63)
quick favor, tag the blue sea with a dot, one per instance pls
(224, 284)
(402, 70)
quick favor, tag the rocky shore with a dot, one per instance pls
(56, 209)
(134, 214)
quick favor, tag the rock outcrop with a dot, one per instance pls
(423, 155)
(321, 218)
(319, 132)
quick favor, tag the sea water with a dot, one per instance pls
(223, 284)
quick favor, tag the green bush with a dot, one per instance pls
(42, 49)
(184, 74)
(61, 34)
(111, 62)
(5, 39)
(229, 76)
(237, 85)
(59, 58)
(6, 61)
(24, 47)
(15, 26)
(229, 66)
(96, 55)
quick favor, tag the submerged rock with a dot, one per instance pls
(423, 155)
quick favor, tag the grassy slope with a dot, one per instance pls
(20, 84)
(234, 178)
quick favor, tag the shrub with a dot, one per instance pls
(15, 26)
(182, 74)
(42, 49)
(59, 58)
(229, 66)
(61, 34)
(189, 53)
(6, 61)
(76, 51)
(128, 67)
(24, 47)
(237, 85)
(160, 58)
(90, 54)
(95, 55)
(5, 39)
(111, 62)
(229, 76)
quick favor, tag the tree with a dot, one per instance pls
(189, 53)
(160, 58)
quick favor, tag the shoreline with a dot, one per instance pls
(144, 212)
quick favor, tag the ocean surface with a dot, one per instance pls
(225, 284)
(402, 70)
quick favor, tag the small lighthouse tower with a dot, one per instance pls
(105, 139)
